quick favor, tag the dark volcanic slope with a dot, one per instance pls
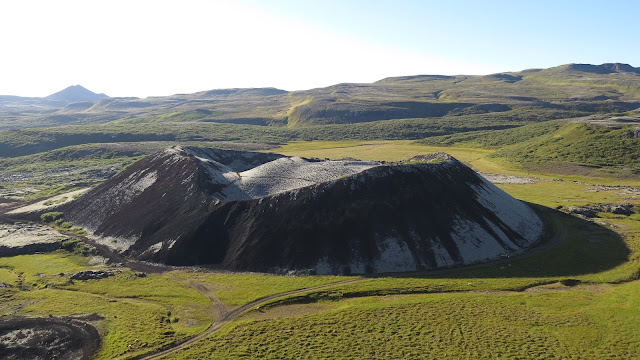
(163, 196)
(266, 212)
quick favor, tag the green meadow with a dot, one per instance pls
(576, 299)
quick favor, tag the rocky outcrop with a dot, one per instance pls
(267, 212)
(93, 274)
(23, 239)
(633, 134)
(591, 211)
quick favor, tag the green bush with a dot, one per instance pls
(76, 246)
(51, 216)
(66, 225)
(78, 231)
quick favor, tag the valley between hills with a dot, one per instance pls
(563, 141)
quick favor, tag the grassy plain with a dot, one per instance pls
(584, 322)
(516, 309)
(238, 289)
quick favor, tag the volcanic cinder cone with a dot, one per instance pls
(268, 212)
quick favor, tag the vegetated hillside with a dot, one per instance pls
(609, 143)
(568, 90)
(30, 141)
(563, 89)
(268, 212)
(495, 139)
(588, 144)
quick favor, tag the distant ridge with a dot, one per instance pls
(76, 93)
(532, 95)
(608, 68)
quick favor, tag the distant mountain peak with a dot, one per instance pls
(76, 93)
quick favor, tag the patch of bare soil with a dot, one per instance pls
(49, 203)
(18, 239)
(506, 179)
(567, 285)
(48, 338)
(289, 311)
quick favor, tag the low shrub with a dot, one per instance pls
(51, 216)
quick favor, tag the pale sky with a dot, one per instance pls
(151, 48)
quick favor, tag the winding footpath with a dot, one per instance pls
(237, 312)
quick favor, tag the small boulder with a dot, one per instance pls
(620, 209)
(633, 134)
(581, 210)
(92, 275)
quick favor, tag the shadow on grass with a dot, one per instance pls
(570, 246)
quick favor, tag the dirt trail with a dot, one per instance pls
(218, 309)
(237, 312)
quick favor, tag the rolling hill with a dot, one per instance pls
(538, 94)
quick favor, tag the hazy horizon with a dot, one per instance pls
(158, 48)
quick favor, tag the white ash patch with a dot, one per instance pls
(514, 213)
(171, 242)
(506, 179)
(505, 239)
(49, 203)
(442, 256)
(144, 182)
(98, 260)
(174, 150)
(395, 256)
(153, 248)
(287, 174)
(474, 243)
(133, 185)
(16, 236)
(118, 244)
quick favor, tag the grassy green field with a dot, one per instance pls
(577, 300)
(585, 322)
